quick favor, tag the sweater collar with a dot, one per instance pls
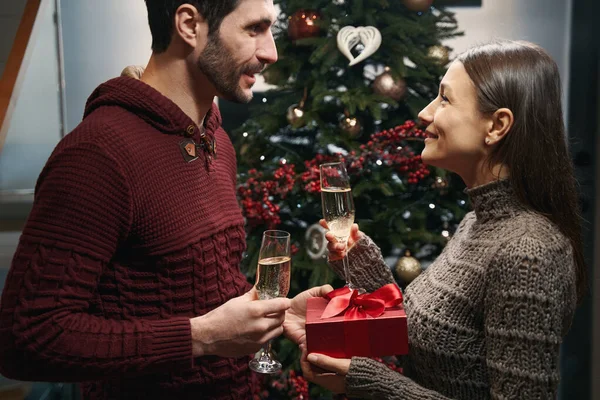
(151, 106)
(494, 200)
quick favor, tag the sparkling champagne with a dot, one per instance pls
(338, 210)
(273, 277)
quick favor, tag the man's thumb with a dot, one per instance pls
(252, 294)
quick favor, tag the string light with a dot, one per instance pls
(245, 134)
(432, 206)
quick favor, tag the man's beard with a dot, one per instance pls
(215, 63)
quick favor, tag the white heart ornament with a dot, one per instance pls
(349, 36)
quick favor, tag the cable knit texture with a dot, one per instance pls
(126, 241)
(365, 253)
(486, 319)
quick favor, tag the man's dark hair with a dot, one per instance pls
(161, 17)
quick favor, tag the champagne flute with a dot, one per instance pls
(338, 207)
(272, 280)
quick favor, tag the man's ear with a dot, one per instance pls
(190, 26)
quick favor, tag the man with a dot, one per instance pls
(127, 275)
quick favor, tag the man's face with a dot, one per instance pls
(240, 49)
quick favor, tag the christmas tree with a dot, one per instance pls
(351, 78)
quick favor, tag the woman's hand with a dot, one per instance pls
(325, 371)
(338, 250)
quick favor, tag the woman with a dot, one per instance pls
(486, 319)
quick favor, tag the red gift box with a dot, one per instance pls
(364, 327)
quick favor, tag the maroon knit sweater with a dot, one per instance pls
(126, 241)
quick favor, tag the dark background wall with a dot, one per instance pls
(578, 373)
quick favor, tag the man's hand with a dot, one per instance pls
(239, 327)
(295, 318)
(338, 250)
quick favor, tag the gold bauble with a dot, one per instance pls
(351, 126)
(295, 115)
(439, 53)
(408, 268)
(418, 5)
(440, 183)
(386, 85)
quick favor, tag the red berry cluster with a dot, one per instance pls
(260, 197)
(259, 387)
(293, 386)
(298, 387)
(294, 249)
(311, 177)
(388, 147)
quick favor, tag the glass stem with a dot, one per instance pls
(347, 271)
(267, 348)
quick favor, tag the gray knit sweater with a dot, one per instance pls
(486, 319)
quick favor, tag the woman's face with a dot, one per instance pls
(456, 130)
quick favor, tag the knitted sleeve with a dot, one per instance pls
(366, 264)
(81, 213)
(370, 379)
(529, 304)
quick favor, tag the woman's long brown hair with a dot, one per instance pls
(522, 77)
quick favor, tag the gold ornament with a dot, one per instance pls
(386, 85)
(439, 53)
(295, 115)
(350, 125)
(440, 183)
(408, 268)
(418, 5)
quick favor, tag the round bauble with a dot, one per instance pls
(440, 183)
(304, 24)
(418, 5)
(386, 85)
(350, 126)
(408, 268)
(295, 115)
(439, 53)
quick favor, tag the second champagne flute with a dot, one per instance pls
(338, 207)
(272, 280)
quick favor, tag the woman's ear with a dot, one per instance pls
(501, 123)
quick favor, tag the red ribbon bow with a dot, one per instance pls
(355, 306)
